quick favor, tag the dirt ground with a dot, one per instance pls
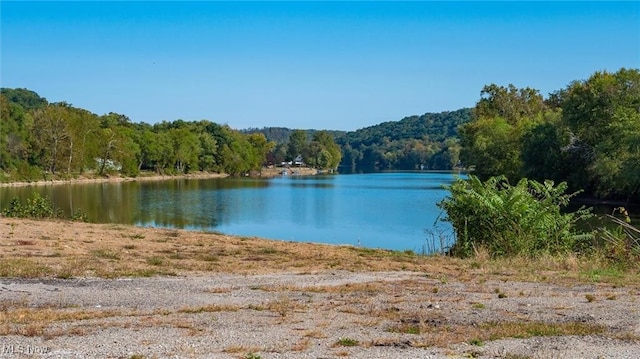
(78, 290)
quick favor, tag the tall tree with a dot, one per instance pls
(297, 144)
(603, 113)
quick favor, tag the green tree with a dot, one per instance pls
(297, 144)
(16, 126)
(52, 135)
(492, 147)
(328, 154)
(492, 141)
(186, 147)
(603, 114)
(261, 147)
(509, 103)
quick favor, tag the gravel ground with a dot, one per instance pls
(313, 315)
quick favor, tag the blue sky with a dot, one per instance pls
(322, 65)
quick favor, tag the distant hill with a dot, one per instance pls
(280, 135)
(429, 141)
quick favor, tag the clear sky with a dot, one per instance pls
(322, 65)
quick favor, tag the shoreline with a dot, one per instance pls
(264, 173)
(114, 179)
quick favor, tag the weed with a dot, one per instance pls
(80, 216)
(590, 298)
(478, 306)
(476, 342)
(208, 257)
(406, 329)
(105, 253)
(347, 342)
(155, 261)
(516, 356)
(268, 250)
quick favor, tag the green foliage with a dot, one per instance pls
(36, 207)
(524, 219)
(80, 216)
(603, 113)
(587, 134)
(428, 141)
(39, 140)
(492, 146)
(26, 99)
(39, 207)
(347, 342)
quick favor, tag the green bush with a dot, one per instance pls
(525, 219)
(39, 207)
(36, 207)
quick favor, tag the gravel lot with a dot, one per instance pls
(328, 314)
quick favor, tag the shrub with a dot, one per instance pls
(39, 207)
(36, 207)
(525, 219)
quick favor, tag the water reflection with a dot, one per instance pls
(387, 210)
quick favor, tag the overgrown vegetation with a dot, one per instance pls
(530, 220)
(525, 219)
(35, 207)
(39, 207)
(622, 242)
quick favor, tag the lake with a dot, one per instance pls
(392, 210)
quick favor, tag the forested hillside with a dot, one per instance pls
(429, 141)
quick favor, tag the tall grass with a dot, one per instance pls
(621, 243)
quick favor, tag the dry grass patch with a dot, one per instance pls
(112, 253)
(240, 349)
(211, 308)
(283, 305)
(119, 250)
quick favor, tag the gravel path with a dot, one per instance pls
(318, 315)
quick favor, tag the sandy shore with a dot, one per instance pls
(79, 290)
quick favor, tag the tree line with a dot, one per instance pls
(587, 134)
(429, 141)
(39, 139)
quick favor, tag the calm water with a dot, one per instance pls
(381, 210)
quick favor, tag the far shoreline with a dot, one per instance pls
(264, 173)
(113, 179)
